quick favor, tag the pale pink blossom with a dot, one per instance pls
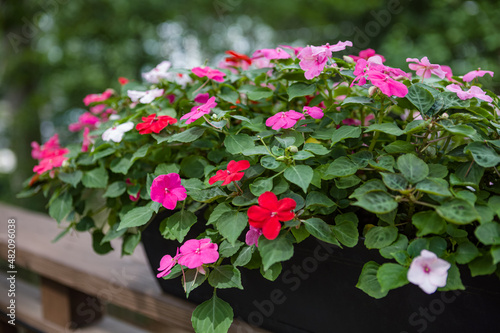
(387, 85)
(199, 111)
(252, 236)
(116, 133)
(448, 72)
(144, 97)
(425, 69)
(314, 111)
(98, 108)
(158, 73)
(167, 190)
(428, 271)
(474, 91)
(196, 252)
(314, 58)
(271, 54)
(477, 73)
(284, 119)
(213, 74)
(296, 50)
(93, 98)
(86, 120)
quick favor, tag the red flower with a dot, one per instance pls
(155, 124)
(268, 214)
(123, 80)
(232, 173)
(238, 57)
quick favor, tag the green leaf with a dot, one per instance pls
(300, 175)
(428, 222)
(227, 249)
(96, 178)
(188, 135)
(346, 182)
(113, 233)
(399, 147)
(236, 144)
(255, 93)
(368, 281)
(207, 195)
(228, 94)
(466, 252)
(437, 171)
(130, 242)
(346, 230)
(412, 168)
(273, 272)
(457, 211)
(178, 225)
(357, 100)
(379, 237)
(371, 185)
(231, 225)
(379, 202)
(495, 254)
(341, 167)
(299, 89)
(225, 276)
(244, 256)
(261, 185)
(361, 158)
(136, 217)
(400, 245)
(212, 316)
(121, 165)
(97, 245)
(462, 130)
(420, 97)
(218, 212)
(385, 163)
(434, 186)
(302, 155)
(453, 282)
(61, 207)
(193, 279)
(276, 250)
(392, 276)
(488, 233)
(394, 181)
(115, 190)
(318, 199)
(322, 231)
(72, 178)
(192, 166)
(345, 132)
(482, 265)
(482, 154)
(387, 128)
(269, 162)
(316, 148)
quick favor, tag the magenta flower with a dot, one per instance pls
(471, 93)
(284, 119)
(86, 140)
(51, 148)
(167, 262)
(477, 73)
(200, 110)
(367, 54)
(202, 98)
(196, 252)
(49, 163)
(86, 120)
(92, 98)
(144, 97)
(213, 74)
(428, 271)
(252, 236)
(167, 190)
(98, 108)
(277, 53)
(314, 111)
(387, 85)
(425, 69)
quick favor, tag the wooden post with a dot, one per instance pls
(68, 308)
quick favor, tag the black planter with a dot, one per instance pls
(316, 293)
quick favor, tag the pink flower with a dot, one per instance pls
(202, 98)
(314, 111)
(86, 140)
(196, 252)
(425, 69)
(277, 53)
(49, 163)
(284, 119)
(313, 58)
(213, 74)
(296, 50)
(167, 262)
(167, 190)
(471, 93)
(477, 73)
(134, 197)
(428, 271)
(92, 98)
(252, 236)
(123, 80)
(98, 108)
(367, 54)
(448, 72)
(387, 85)
(84, 121)
(50, 149)
(144, 97)
(357, 122)
(158, 73)
(200, 110)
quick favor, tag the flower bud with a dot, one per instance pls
(349, 59)
(293, 149)
(372, 90)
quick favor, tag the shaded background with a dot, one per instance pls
(54, 52)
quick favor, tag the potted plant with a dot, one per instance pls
(244, 164)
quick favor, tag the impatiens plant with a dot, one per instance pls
(289, 144)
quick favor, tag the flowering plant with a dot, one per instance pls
(288, 144)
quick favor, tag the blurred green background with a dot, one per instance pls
(54, 52)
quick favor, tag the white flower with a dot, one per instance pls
(144, 97)
(116, 133)
(157, 73)
(428, 271)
